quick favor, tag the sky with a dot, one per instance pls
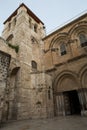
(53, 13)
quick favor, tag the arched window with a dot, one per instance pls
(62, 49)
(34, 64)
(35, 28)
(83, 40)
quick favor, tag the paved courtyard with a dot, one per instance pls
(59, 123)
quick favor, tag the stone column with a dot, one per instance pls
(83, 100)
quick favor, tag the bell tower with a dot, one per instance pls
(28, 86)
(24, 29)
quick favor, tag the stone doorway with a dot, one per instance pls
(71, 103)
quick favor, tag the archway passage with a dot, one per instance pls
(71, 103)
(66, 99)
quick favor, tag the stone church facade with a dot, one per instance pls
(42, 76)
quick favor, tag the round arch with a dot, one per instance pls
(13, 93)
(65, 81)
(58, 38)
(66, 85)
(83, 76)
(78, 28)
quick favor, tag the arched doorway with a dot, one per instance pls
(11, 105)
(66, 95)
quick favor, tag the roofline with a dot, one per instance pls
(28, 11)
(59, 29)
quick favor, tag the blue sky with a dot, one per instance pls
(52, 12)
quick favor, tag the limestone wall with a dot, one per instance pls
(69, 35)
(34, 101)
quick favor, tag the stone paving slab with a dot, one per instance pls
(59, 123)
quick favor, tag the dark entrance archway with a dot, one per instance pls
(71, 103)
(66, 99)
